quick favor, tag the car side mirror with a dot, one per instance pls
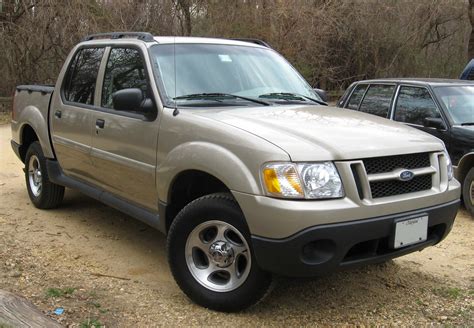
(436, 123)
(322, 94)
(127, 99)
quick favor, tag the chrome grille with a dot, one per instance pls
(389, 163)
(397, 187)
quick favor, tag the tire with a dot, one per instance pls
(202, 234)
(468, 191)
(43, 193)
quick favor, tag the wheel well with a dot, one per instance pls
(188, 186)
(465, 165)
(28, 136)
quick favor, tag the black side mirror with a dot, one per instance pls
(127, 99)
(322, 94)
(436, 123)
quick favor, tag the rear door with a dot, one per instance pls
(377, 100)
(413, 105)
(124, 142)
(70, 117)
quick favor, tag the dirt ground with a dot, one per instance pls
(105, 268)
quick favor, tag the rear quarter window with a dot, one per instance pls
(79, 86)
(356, 96)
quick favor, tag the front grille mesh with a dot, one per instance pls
(397, 187)
(390, 163)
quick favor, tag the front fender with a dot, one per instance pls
(210, 158)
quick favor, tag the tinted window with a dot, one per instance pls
(377, 100)
(356, 96)
(414, 105)
(82, 75)
(124, 70)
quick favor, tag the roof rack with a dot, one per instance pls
(250, 40)
(144, 36)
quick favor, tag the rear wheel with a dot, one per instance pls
(468, 191)
(211, 257)
(43, 193)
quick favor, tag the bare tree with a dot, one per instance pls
(470, 51)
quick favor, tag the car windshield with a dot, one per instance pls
(459, 101)
(215, 72)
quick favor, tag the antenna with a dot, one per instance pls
(176, 110)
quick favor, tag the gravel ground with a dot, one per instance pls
(105, 268)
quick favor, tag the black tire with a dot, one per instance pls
(467, 191)
(222, 207)
(50, 195)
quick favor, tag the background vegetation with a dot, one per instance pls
(331, 42)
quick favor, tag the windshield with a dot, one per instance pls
(459, 101)
(225, 69)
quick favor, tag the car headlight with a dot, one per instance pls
(450, 166)
(303, 180)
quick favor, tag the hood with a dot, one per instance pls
(318, 133)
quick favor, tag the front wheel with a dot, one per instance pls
(43, 193)
(211, 257)
(468, 191)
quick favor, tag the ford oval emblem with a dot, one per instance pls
(406, 175)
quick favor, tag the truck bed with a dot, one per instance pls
(31, 108)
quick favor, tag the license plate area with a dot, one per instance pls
(409, 231)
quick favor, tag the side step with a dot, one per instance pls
(57, 176)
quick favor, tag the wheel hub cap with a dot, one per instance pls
(221, 253)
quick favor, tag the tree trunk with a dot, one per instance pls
(470, 49)
(185, 6)
(15, 311)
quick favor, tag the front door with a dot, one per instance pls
(413, 105)
(124, 142)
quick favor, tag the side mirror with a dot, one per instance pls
(322, 94)
(432, 122)
(127, 99)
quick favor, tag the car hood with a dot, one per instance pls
(316, 133)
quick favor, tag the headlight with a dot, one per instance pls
(305, 180)
(450, 166)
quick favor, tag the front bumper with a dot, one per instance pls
(324, 248)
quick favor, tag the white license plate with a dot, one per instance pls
(410, 231)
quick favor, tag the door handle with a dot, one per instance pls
(99, 124)
(57, 114)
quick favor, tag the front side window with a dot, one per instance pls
(459, 102)
(356, 96)
(82, 75)
(377, 100)
(414, 104)
(125, 69)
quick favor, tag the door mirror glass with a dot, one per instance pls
(127, 99)
(432, 122)
(322, 94)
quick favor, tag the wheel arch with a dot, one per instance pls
(187, 186)
(465, 164)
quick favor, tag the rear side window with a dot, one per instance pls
(356, 96)
(125, 69)
(414, 105)
(377, 100)
(82, 75)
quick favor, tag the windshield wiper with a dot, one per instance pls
(215, 96)
(291, 96)
(467, 123)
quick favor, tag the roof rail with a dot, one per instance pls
(144, 36)
(250, 40)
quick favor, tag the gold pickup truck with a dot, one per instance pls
(224, 147)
